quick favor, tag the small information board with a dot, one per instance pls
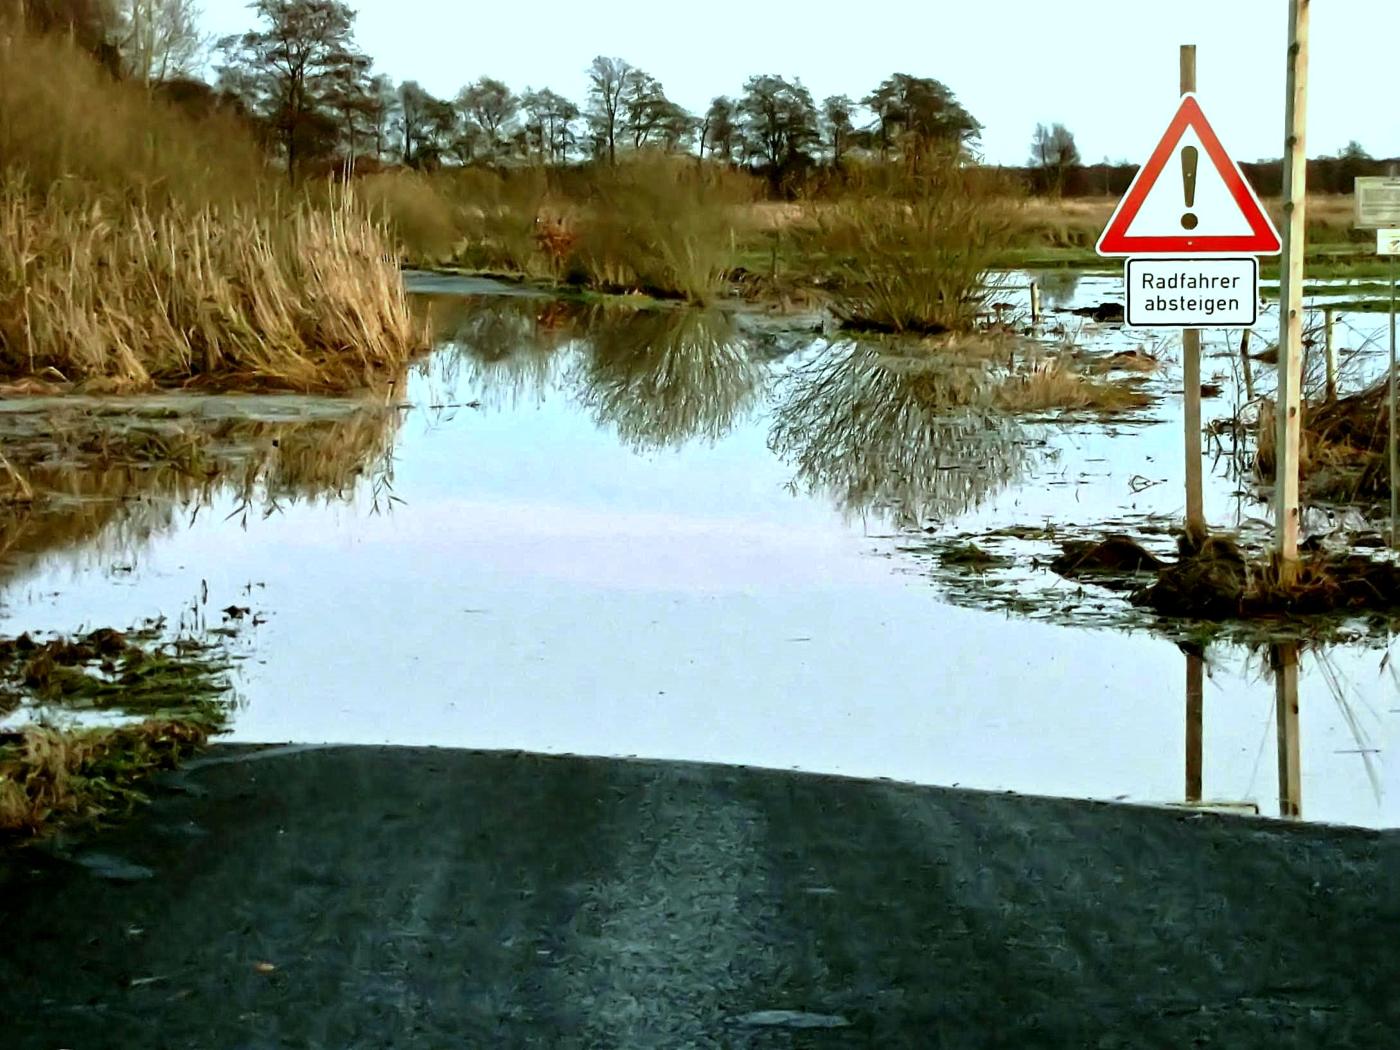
(1377, 202)
(1192, 293)
(1388, 242)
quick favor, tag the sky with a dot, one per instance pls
(1106, 69)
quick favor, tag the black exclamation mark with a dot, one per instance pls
(1188, 184)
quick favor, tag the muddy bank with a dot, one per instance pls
(412, 897)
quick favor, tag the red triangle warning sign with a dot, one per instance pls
(1189, 198)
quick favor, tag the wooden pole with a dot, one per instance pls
(1035, 304)
(1246, 367)
(1195, 715)
(1330, 317)
(1290, 763)
(1191, 371)
(1290, 362)
(1394, 465)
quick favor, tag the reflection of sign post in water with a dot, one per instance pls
(1290, 767)
(1378, 207)
(1191, 226)
(1195, 718)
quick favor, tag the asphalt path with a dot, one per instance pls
(406, 897)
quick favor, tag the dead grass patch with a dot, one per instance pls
(1053, 384)
(124, 298)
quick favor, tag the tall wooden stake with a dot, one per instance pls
(1191, 370)
(1290, 362)
(1394, 457)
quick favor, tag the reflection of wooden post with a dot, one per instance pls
(1330, 321)
(1191, 369)
(1195, 712)
(1246, 367)
(1290, 374)
(1290, 787)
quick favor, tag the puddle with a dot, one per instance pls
(695, 536)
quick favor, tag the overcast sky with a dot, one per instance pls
(1107, 69)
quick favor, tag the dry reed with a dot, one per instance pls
(127, 298)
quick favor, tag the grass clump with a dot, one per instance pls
(1343, 452)
(1052, 384)
(663, 377)
(659, 226)
(124, 297)
(883, 430)
(917, 261)
(652, 224)
(1213, 579)
(78, 482)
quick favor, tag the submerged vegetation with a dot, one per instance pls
(106, 710)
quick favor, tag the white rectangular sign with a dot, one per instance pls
(1192, 293)
(1377, 201)
(1388, 242)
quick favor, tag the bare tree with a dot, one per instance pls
(779, 124)
(549, 123)
(836, 120)
(717, 128)
(159, 39)
(1053, 154)
(380, 103)
(288, 71)
(425, 124)
(491, 106)
(607, 79)
(917, 114)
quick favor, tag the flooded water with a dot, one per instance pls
(696, 536)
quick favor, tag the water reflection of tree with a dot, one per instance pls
(894, 434)
(506, 347)
(82, 484)
(664, 377)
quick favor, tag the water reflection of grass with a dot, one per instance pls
(104, 476)
(504, 347)
(665, 377)
(899, 434)
(79, 478)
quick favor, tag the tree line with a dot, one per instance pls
(301, 78)
(301, 82)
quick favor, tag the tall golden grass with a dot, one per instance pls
(140, 249)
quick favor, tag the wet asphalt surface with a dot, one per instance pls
(408, 897)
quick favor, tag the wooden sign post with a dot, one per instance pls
(1290, 344)
(1191, 228)
(1191, 369)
